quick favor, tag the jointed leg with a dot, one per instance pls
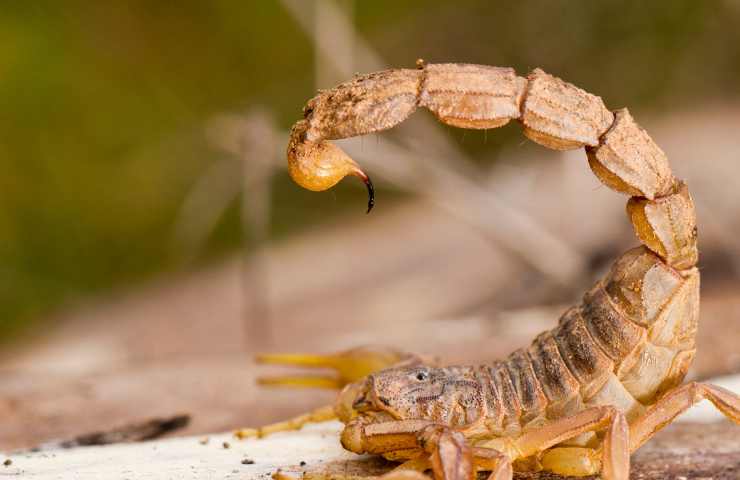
(403, 474)
(484, 460)
(452, 458)
(420, 464)
(678, 401)
(322, 414)
(615, 459)
(489, 460)
(449, 455)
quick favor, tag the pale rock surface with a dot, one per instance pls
(684, 446)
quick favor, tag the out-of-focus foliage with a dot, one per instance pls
(104, 106)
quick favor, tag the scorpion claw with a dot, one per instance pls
(301, 360)
(349, 366)
(301, 381)
(298, 359)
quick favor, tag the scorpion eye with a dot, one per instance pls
(421, 376)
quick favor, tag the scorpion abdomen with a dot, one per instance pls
(631, 339)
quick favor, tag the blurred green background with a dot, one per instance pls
(104, 107)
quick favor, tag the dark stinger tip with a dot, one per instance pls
(370, 193)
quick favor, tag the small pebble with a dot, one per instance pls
(8, 462)
(204, 440)
(303, 464)
(227, 445)
(247, 461)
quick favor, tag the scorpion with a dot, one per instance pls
(585, 394)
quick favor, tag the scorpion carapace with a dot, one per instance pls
(583, 395)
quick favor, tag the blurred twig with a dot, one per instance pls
(258, 166)
(251, 141)
(203, 207)
(334, 34)
(133, 432)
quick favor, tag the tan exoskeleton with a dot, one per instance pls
(582, 396)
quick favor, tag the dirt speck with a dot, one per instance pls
(8, 462)
(226, 445)
(247, 461)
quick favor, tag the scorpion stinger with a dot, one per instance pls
(319, 165)
(370, 191)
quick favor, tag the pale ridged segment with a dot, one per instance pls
(677, 372)
(472, 96)
(645, 378)
(667, 226)
(640, 284)
(560, 115)
(675, 327)
(629, 161)
(368, 103)
(615, 394)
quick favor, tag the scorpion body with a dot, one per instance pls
(597, 355)
(583, 395)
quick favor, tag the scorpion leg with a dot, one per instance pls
(395, 440)
(450, 455)
(452, 458)
(420, 464)
(403, 474)
(447, 451)
(678, 401)
(490, 460)
(614, 451)
(321, 414)
(484, 460)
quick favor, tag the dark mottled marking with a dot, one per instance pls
(531, 397)
(583, 357)
(510, 404)
(491, 394)
(617, 336)
(368, 103)
(550, 369)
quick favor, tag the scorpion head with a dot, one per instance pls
(448, 396)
